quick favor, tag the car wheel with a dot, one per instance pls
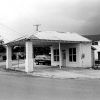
(43, 63)
(37, 63)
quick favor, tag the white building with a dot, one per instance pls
(96, 44)
(67, 49)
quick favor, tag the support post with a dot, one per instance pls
(9, 57)
(29, 57)
(60, 62)
(52, 58)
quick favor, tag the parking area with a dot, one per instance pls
(65, 73)
(55, 71)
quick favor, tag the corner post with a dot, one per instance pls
(29, 57)
(9, 57)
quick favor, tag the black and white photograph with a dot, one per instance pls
(49, 49)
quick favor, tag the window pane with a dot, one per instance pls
(57, 58)
(74, 50)
(70, 50)
(70, 58)
(54, 58)
(57, 51)
(54, 52)
(74, 58)
(56, 55)
(95, 43)
(98, 55)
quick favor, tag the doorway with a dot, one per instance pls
(64, 58)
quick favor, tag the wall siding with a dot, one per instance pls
(87, 51)
(83, 48)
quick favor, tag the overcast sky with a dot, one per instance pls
(81, 16)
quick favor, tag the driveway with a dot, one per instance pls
(56, 72)
(72, 73)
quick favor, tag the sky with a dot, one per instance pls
(80, 16)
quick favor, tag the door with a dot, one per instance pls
(64, 58)
(93, 58)
(98, 55)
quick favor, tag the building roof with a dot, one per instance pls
(53, 35)
(93, 37)
(96, 47)
(1, 40)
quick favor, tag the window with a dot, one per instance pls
(56, 55)
(98, 55)
(72, 54)
(95, 43)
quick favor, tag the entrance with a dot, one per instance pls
(64, 58)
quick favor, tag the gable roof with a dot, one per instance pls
(1, 40)
(67, 36)
(53, 36)
(93, 37)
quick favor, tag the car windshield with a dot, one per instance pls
(42, 57)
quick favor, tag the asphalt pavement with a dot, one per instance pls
(20, 86)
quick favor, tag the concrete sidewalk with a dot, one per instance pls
(92, 74)
(59, 74)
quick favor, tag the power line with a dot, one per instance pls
(3, 25)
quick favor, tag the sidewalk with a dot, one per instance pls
(59, 74)
(71, 74)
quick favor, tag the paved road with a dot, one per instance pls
(19, 86)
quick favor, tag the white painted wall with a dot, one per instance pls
(99, 43)
(83, 48)
(87, 51)
(96, 51)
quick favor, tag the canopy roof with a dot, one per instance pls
(53, 36)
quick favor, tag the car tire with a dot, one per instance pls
(43, 63)
(37, 63)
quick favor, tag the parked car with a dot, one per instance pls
(97, 64)
(43, 59)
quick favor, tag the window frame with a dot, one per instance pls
(95, 43)
(56, 55)
(72, 55)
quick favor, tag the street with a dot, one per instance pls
(19, 86)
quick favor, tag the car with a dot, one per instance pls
(97, 65)
(43, 59)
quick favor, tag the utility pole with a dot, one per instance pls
(37, 26)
